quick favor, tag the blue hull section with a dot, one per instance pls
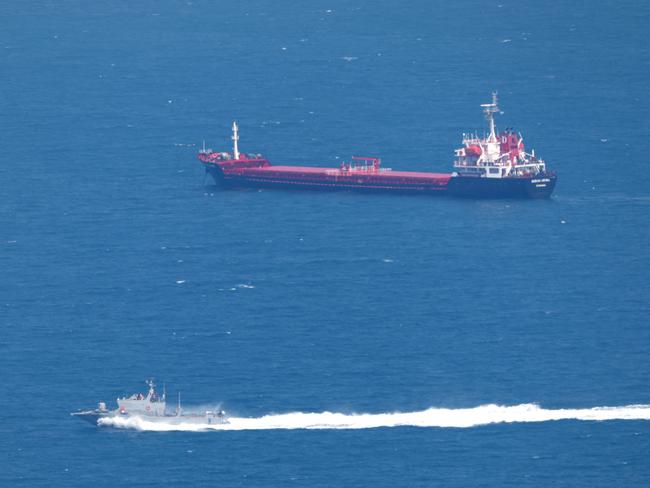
(476, 187)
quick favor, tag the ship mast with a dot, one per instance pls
(235, 140)
(152, 387)
(489, 109)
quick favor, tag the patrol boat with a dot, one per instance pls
(152, 408)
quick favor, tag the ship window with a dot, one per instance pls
(494, 171)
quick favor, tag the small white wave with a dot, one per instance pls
(432, 417)
(244, 285)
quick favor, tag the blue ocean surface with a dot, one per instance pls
(120, 261)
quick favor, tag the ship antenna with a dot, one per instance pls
(235, 140)
(489, 109)
(152, 387)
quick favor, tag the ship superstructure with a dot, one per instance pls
(496, 156)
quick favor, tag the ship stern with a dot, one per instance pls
(532, 187)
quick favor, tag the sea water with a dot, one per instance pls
(354, 340)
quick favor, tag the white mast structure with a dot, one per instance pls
(235, 140)
(492, 151)
(489, 109)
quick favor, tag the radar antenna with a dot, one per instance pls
(235, 140)
(489, 109)
(152, 387)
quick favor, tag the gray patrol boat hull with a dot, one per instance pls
(209, 418)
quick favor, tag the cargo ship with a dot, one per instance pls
(492, 166)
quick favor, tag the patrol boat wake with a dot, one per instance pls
(152, 408)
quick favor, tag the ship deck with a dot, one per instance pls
(323, 171)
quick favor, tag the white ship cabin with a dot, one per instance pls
(144, 404)
(495, 156)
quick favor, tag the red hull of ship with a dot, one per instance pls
(248, 172)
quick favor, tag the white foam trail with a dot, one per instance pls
(432, 417)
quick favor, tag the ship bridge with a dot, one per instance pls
(496, 156)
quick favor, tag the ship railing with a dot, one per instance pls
(346, 170)
(369, 164)
(357, 169)
(530, 166)
(465, 164)
(479, 170)
(459, 163)
(528, 170)
(470, 139)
